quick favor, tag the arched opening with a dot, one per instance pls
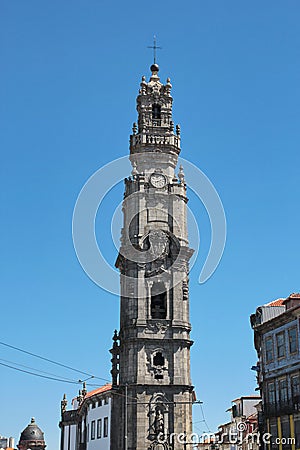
(156, 114)
(158, 301)
(158, 359)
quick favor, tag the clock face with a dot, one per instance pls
(158, 180)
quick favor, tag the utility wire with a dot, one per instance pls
(204, 420)
(38, 375)
(58, 364)
(36, 370)
(62, 379)
(56, 378)
(52, 362)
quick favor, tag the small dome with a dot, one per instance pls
(32, 432)
(154, 68)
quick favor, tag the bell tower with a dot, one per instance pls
(153, 394)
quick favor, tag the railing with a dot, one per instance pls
(284, 407)
(146, 139)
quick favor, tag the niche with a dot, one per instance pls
(156, 114)
(158, 363)
(158, 301)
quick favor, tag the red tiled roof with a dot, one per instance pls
(294, 295)
(106, 387)
(278, 302)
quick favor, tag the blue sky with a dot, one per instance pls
(69, 78)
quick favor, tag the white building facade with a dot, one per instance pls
(87, 425)
(6, 443)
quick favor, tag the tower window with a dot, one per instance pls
(156, 114)
(158, 359)
(158, 301)
(158, 363)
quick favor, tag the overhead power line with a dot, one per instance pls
(36, 370)
(56, 378)
(50, 376)
(53, 362)
(204, 420)
(38, 375)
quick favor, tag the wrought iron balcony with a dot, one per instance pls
(281, 408)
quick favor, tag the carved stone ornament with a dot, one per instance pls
(159, 446)
(159, 243)
(156, 327)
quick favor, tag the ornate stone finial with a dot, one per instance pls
(154, 69)
(79, 397)
(134, 173)
(115, 359)
(178, 130)
(64, 404)
(134, 128)
(84, 391)
(181, 174)
(32, 420)
(115, 338)
(168, 86)
(143, 85)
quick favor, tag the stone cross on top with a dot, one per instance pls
(154, 47)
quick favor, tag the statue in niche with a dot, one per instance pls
(159, 425)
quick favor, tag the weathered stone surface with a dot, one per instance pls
(153, 392)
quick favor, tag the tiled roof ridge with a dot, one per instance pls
(281, 301)
(106, 387)
(278, 302)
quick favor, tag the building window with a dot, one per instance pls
(295, 385)
(105, 430)
(271, 393)
(158, 301)
(269, 349)
(93, 427)
(93, 405)
(283, 392)
(79, 433)
(105, 400)
(99, 428)
(293, 347)
(99, 403)
(280, 342)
